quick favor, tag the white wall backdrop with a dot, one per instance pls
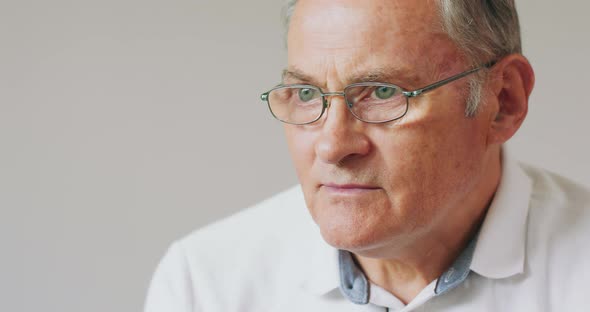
(127, 124)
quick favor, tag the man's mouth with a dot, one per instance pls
(349, 188)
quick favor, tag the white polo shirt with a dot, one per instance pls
(532, 254)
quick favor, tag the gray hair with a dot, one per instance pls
(484, 30)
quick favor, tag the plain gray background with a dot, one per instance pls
(127, 124)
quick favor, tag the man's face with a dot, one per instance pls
(372, 186)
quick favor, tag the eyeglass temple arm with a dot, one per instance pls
(448, 80)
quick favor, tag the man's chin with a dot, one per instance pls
(354, 225)
(350, 238)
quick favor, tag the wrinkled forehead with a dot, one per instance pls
(331, 15)
(351, 36)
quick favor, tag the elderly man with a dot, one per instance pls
(395, 114)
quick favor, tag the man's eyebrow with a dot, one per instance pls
(384, 74)
(296, 74)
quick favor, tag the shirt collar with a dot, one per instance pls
(355, 286)
(498, 250)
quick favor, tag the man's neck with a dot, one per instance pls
(407, 277)
(426, 258)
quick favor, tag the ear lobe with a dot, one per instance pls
(512, 88)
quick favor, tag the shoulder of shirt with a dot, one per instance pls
(555, 191)
(259, 251)
(271, 220)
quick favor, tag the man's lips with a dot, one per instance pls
(348, 188)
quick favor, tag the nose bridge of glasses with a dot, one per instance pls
(326, 95)
(333, 93)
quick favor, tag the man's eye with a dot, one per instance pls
(384, 93)
(307, 95)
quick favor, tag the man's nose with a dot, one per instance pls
(342, 135)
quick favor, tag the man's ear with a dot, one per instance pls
(512, 81)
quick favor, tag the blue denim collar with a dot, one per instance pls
(355, 286)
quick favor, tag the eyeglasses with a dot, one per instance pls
(371, 102)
